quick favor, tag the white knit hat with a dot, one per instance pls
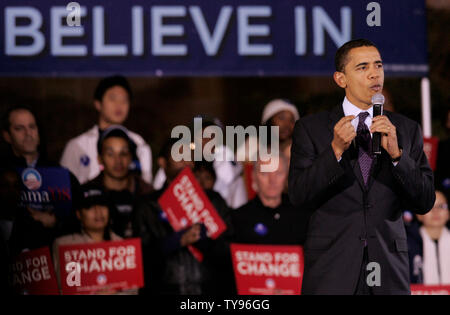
(275, 106)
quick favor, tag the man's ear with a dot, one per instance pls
(78, 214)
(340, 79)
(6, 136)
(97, 105)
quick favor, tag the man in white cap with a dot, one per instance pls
(282, 114)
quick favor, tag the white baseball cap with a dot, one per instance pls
(275, 106)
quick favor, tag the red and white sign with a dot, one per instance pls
(430, 148)
(101, 267)
(33, 273)
(248, 178)
(185, 203)
(420, 289)
(268, 269)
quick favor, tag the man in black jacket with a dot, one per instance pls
(32, 228)
(357, 198)
(269, 218)
(121, 185)
(169, 266)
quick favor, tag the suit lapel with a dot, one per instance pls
(335, 115)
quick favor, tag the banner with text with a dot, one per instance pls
(419, 289)
(430, 148)
(33, 273)
(205, 37)
(185, 203)
(46, 189)
(110, 266)
(268, 269)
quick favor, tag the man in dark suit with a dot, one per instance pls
(356, 197)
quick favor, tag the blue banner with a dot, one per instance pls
(205, 37)
(46, 189)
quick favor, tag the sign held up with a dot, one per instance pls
(33, 273)
(268, 269)
(112, 266)
(185, 203)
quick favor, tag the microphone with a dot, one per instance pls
(378, 102)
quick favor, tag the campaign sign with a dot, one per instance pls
(185, 203)
(268, 269)
(430, 148)
(248, 178)
(101, 267)
(420, 289)
(46, 189)
(33, 273)
(157, 38)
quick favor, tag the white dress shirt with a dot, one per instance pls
(351, 109)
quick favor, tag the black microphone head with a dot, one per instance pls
(378, 98)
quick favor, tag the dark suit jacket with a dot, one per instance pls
(346, 213)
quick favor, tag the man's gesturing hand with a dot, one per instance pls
(388, 132)
(344, 133)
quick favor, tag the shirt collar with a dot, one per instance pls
(350, 109)
(34, 162)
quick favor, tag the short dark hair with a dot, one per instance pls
(6, 123)
(205, 166)
(106, 83)
(166, 149)
(340, 59)
(95, 195)
(116, 132)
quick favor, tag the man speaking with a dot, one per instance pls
(356, 242)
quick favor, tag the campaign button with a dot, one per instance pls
(260, 229)
(85, 160)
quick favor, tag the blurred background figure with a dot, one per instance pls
(229, 182)
(121, 185)
(31, 228)
(205, 174)
(286, 151)
(169, 266)
(279, 113)
(429, 245)
(388, 101)
(9, 197)
(442, 174)
(283, 114)
(269, 218)
(93, 212)
(112, 100)
(247, 154)
(20, 130)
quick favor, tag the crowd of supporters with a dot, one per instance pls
(115, 196)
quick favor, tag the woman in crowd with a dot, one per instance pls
(282, 114)
(93, 213)
(429, 245)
